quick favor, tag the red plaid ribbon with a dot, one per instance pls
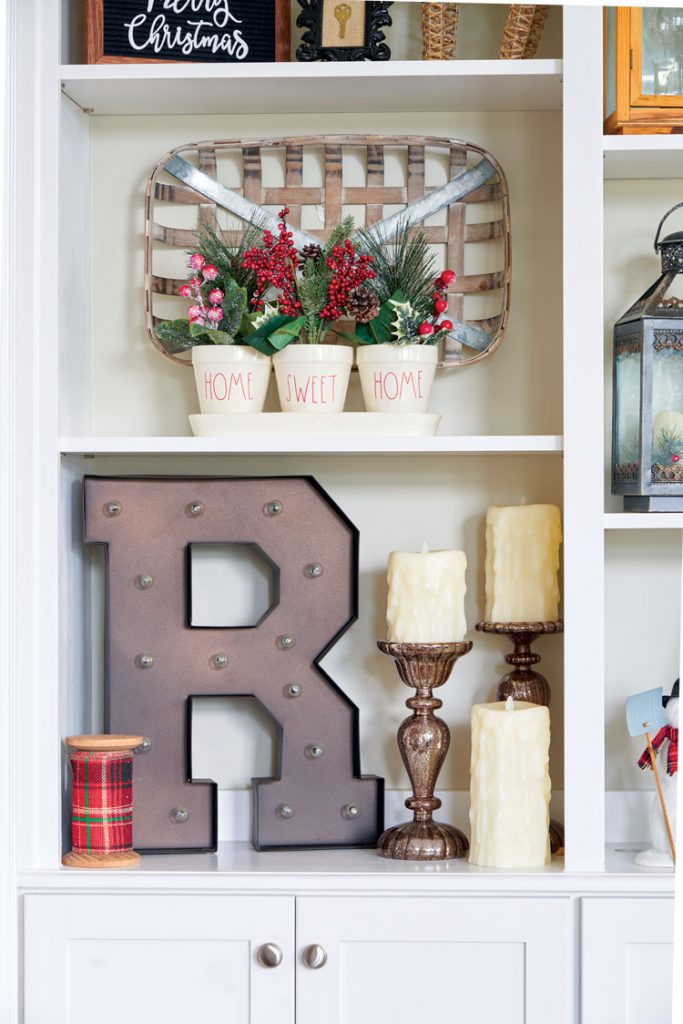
(102, 815)
(668, 732)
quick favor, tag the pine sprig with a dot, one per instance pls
(668, 443)
(226, 249)
(312, 289)
(404, 265)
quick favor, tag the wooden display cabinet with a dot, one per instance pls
(643, 70)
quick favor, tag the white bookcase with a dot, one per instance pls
(82, 392)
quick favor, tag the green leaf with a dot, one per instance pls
(175, 335)
(203, 335)
(234, 308)
(285, 335)
(364, 335)
(265, 330)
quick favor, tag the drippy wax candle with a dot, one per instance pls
(510, 785)
(522, 560)
(426, 596)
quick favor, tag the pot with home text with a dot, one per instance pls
(230, 378)
(397, 378)
(313, 378)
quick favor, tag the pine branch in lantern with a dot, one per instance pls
(668, 447)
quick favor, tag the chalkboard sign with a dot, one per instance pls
(206, 31)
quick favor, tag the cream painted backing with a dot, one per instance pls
(643, 568)
(519, 390)
(397, 503)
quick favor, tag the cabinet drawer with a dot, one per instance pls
(156, 958)
(406, 959)
(627, 960)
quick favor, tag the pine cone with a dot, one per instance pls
(311, 252)
(362, 305)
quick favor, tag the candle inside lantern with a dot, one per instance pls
(522, 560)
(510, 785)
(426, 596)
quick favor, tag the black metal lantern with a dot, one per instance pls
(647, 429)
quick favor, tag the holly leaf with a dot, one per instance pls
(381, 328)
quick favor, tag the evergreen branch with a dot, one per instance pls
(404, 265)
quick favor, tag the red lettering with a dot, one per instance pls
(289, 387)
(301, 393)
(386, 389)
(377, 380)
(208, 390)
(220, 398)
(236, 381)
(408, 381)
(250, 378)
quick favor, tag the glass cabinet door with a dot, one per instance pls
(658, 60)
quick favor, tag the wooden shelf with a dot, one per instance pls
(314, 88)
(523, 444)
(643, 520)
(643, 156)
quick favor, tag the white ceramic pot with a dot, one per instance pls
(397, 378)
(230, 378)
(313, 378)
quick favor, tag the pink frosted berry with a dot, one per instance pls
(196, 282)
(209, 272)
(198, 320)
(195, 312)
(215, 315)
(185, 291)
(196, 261)
(216, 296)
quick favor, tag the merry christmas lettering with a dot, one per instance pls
(152, 31)
(394, 387)
(316, 389)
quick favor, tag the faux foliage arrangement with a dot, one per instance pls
(262, 292)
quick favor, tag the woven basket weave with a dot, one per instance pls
(522, 31)
(478, 248)
(439, 31)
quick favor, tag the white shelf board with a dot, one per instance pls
(525, 444)
(643, 520)
(315, 88)
(237, 867)
(643, 156)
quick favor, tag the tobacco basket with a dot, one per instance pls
(317, 178)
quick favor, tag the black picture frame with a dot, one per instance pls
(374, 47)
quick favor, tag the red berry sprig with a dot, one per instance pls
(275, 264)
(440, 298)
(349, 270)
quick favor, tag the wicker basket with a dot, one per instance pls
(522, 31)
(439, 31)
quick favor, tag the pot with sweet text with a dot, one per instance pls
(313, 378)
(397, 378)
(230, 378)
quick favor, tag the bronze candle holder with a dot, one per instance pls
(523, 683)
(423, 740)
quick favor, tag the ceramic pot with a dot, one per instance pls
(397, 378)
(230, 378)
(313, 378)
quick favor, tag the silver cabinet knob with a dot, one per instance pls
(315, 957)
(269, 955)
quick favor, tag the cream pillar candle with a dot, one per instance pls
(510, 787)
(426, 596)
(522, 560)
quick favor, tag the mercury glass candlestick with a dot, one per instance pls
(423, 740)
(523, 682)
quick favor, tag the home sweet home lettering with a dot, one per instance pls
(215, 31)
(157, 662)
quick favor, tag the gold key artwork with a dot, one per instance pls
(342, 13)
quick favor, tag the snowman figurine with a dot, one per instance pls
(666, 741)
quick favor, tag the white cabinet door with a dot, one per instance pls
(409, 959)
(626, 960)
(170, 959)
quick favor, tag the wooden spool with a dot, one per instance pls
(103, 744)
(330, 199)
